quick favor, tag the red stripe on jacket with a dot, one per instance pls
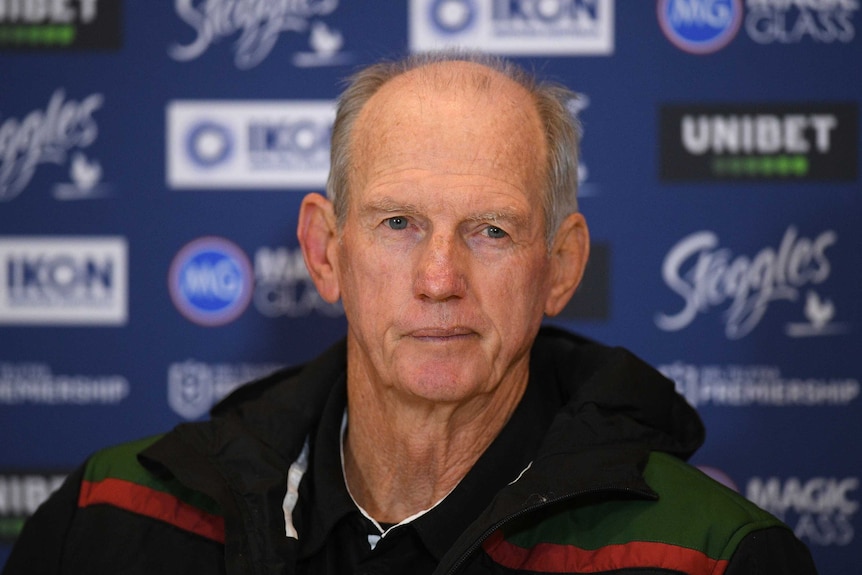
(151, 503)
(556, 558)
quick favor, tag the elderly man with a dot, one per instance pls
(449, 432)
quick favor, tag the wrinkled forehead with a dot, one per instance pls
(452, 107)
(474, 86)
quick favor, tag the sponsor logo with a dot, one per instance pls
(67, 24)
(514, 27)
(700, 26)
(259, 24)
(778, 142)
(35, 383)
(284, 287)
(592, 299)
(786, 22)
(757, 385)
(63, 280)
(210, 281)
(706, 26)
(21, 493)
(85, 180)
(47, 136)
(706, 276)
(209, 144)
(194, 387)
(262, 144)
(819, 314)
(821, 510)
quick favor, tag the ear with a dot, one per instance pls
(569, 255)
(317, 234)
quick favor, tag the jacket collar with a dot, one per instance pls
(615, 410)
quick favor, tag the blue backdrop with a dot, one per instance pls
(153, 156)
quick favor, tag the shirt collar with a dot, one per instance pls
(323, 496)
(502, 463)
(327, 499)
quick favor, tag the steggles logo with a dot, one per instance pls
(713, 277)
(259, 24)
(44, 136)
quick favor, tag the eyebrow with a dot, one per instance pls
(508, 216)
(390, 206)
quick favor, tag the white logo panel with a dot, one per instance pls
(57, 280)
(249, 144)
(514, 27)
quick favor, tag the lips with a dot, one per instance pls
(441, 332)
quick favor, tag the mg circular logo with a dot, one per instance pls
(700, 26)
(209, 143)
(453, 16)
(210, 281)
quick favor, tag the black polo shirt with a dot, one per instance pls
(336, 538)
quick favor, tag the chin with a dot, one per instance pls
(441, 385)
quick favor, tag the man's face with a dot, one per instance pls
(442, 262)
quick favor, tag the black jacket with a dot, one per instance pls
(608, 491)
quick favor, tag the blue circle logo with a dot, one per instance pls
(700, 26)
(210, 281)
(452, 16)
(209, 143)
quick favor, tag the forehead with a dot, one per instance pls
(449, 116)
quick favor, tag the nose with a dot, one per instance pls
(441, 268)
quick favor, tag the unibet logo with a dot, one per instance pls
(20, 495)
(772, 142)
(764, 133)
(58, 24)
(23, 494)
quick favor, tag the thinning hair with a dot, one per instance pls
(561, 128)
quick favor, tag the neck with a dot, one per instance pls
(401, 456)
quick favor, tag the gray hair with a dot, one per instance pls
(561, 127)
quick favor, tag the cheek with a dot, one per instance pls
(517, 295)
(368, 280)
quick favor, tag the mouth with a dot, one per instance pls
(442, 335)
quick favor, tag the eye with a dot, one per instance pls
(495, 233)
(396, 222)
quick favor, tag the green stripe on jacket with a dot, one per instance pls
(121, 462)
(693, 511)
